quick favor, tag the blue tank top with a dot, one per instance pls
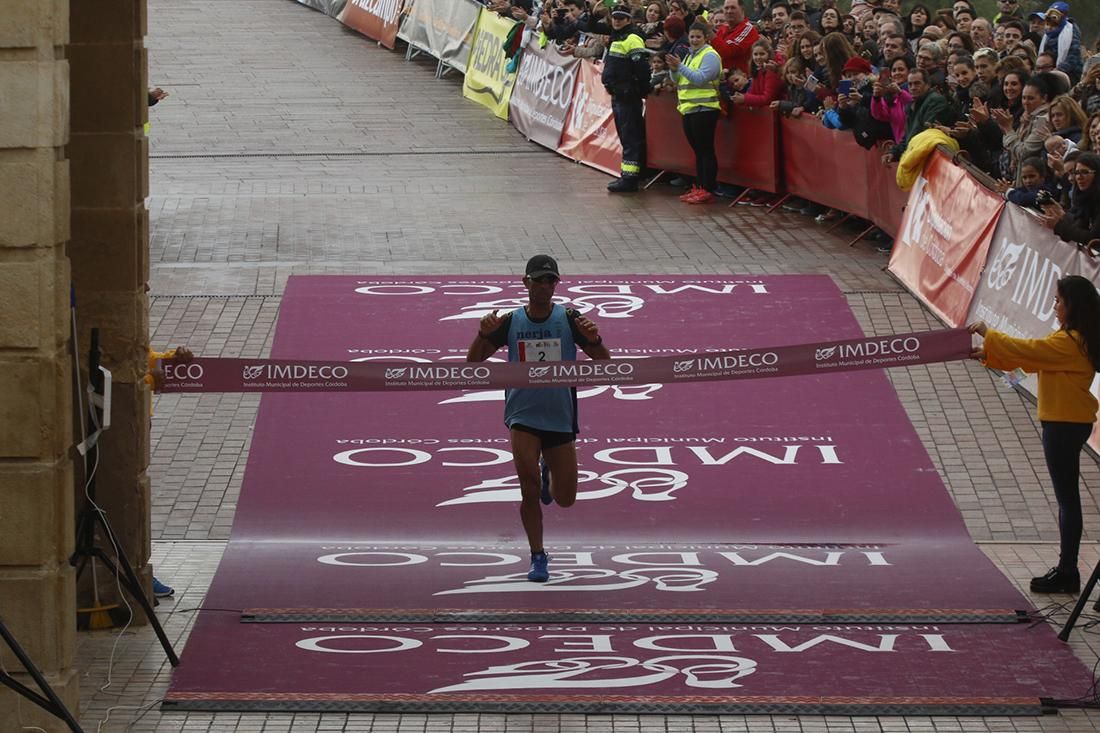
(549, 408)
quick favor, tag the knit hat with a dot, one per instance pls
(858, 64)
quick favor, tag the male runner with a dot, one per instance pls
(542, 421)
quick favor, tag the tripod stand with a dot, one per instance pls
(48, 699)
(1082, 599)
(91, 518)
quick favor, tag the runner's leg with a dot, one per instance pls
(562, 460)
(525, 452)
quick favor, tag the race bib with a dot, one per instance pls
(539, 349)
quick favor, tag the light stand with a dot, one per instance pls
(48, 699)
(91, 518)
(1082, 599)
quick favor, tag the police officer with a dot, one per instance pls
(626, 76)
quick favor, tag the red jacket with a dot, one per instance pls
(734, 45)
(766, 88)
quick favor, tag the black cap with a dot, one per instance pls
(622, 10)
(540, 265)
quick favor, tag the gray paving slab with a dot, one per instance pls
(290, 145)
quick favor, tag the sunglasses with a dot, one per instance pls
(545, 279)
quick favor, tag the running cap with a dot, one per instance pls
(540, 265)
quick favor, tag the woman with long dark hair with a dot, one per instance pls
(1066, 362)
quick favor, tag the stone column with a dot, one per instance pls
(109, 252)
(36, 478)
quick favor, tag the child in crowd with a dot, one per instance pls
(796, 99)
(1035, 186)
(766, 86)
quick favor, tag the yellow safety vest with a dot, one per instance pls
(627, 47)
(696, 96)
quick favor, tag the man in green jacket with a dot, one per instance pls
(929, 108)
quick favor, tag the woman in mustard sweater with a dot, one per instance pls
(1066, 362)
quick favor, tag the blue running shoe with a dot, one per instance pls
(545, 496)
(160, 590)
(539, 573)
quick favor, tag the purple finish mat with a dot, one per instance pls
(804, 499)
(641, 668)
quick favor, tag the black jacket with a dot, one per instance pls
(1081, 223)
(625, 76)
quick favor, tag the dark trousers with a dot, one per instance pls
(630, 124)
(699, 128)
(1062, 444)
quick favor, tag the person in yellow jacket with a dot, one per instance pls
(697, 77)
(1066, 362)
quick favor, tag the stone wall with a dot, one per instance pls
(73, 179)
(36, 472)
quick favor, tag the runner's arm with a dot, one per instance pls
(582, 330)
(484, 346)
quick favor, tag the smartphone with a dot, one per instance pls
(844, 88)
(884, 77)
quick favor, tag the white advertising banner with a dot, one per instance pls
(543, 93)
(442, 28)
(1016, 292)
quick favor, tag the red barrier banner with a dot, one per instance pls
(542, 93)
(1016, 292)
(589, 135)
(267, 375)
(666, 147)
(747, 145)
(375, 19)
(944, 238)
(825, 166)
(885, 201)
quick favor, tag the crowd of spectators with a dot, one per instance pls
(1019, 91)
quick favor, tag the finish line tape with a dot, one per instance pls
(282, 375)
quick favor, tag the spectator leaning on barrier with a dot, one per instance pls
(1081, 224)
(697, 78)
(766, 86)
(929, 108)
(891, 99)
(1063, 38)
(733, 40)
(854, 108)
(1034, 185)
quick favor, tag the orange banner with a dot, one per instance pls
(944, 238)
(589, 135)
(375, 19)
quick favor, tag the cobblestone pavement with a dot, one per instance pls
(290, 145)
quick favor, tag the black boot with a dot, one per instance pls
(626, 184)
(1057, 581)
